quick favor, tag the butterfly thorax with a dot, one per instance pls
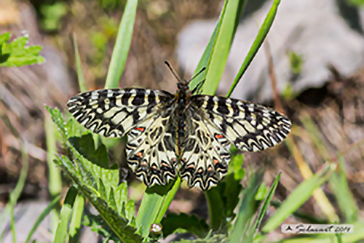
(182, 100)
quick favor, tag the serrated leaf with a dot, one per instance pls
(130, 209)
(86, 146)
(16, 53)
(112, 201)
(191, 223)
(116, 222)
(85, 173)
(98, 225)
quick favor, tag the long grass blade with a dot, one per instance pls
(122, 45)
(154, 205)
(62, 228)
(81, 79)
(42, 216)
(221, 49)
(263, 31)
(298, 197)
(76, 220)
(266, 202)
(206, 56)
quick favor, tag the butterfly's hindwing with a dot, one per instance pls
(205, 155)
(151, 150)
(113, 112)
(248, 126)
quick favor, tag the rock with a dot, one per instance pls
(313, 29)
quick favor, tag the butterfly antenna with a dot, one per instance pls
(199, 72)
(172, 71)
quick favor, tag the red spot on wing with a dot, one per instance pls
(140, 129)
(217, 136)
(140, 154)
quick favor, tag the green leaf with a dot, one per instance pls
(339, 186)
(266, 202)
(233, 186)
(243, 229)
(52, 14)
(81, 79)
(98, 225)
(76, 220)
(4, 38)
(190, 223)
(51, 206)
(116, 222)
(263, 31)
(298, 197)
(15, 194)
(90, 178)
(122, 45)
(62, 228)
(16, 54)
(206, 56)
(224, 198)
(217, 213)
(155, 203)
(225, 37)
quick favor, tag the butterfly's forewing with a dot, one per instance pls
(248, 126)
(142, 114)
(113, 112)
(206, 153)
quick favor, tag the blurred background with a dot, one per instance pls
(314, 51)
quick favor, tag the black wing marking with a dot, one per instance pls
(113, 112)
(248, 126)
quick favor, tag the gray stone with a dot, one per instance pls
(313, 29)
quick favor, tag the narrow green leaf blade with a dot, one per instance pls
(62, 228)
(266, 202)
(339, 185)
(298, 197)
(158, 199)
(221, 50)
(206, 56)
(81, 79)
(263, 31)
(76, 220)
(241, 231)
(51, 206)
(122, 45)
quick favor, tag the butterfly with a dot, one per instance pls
(185, 133)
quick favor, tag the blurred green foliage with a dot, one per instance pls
(16, 53)
(110, 4)
(296, 62)
(52, 14)
(357, 3)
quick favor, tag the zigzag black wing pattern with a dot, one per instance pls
(206, 154)
(151, 150)
(113, 112)
(143, 114)
(248, 126)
